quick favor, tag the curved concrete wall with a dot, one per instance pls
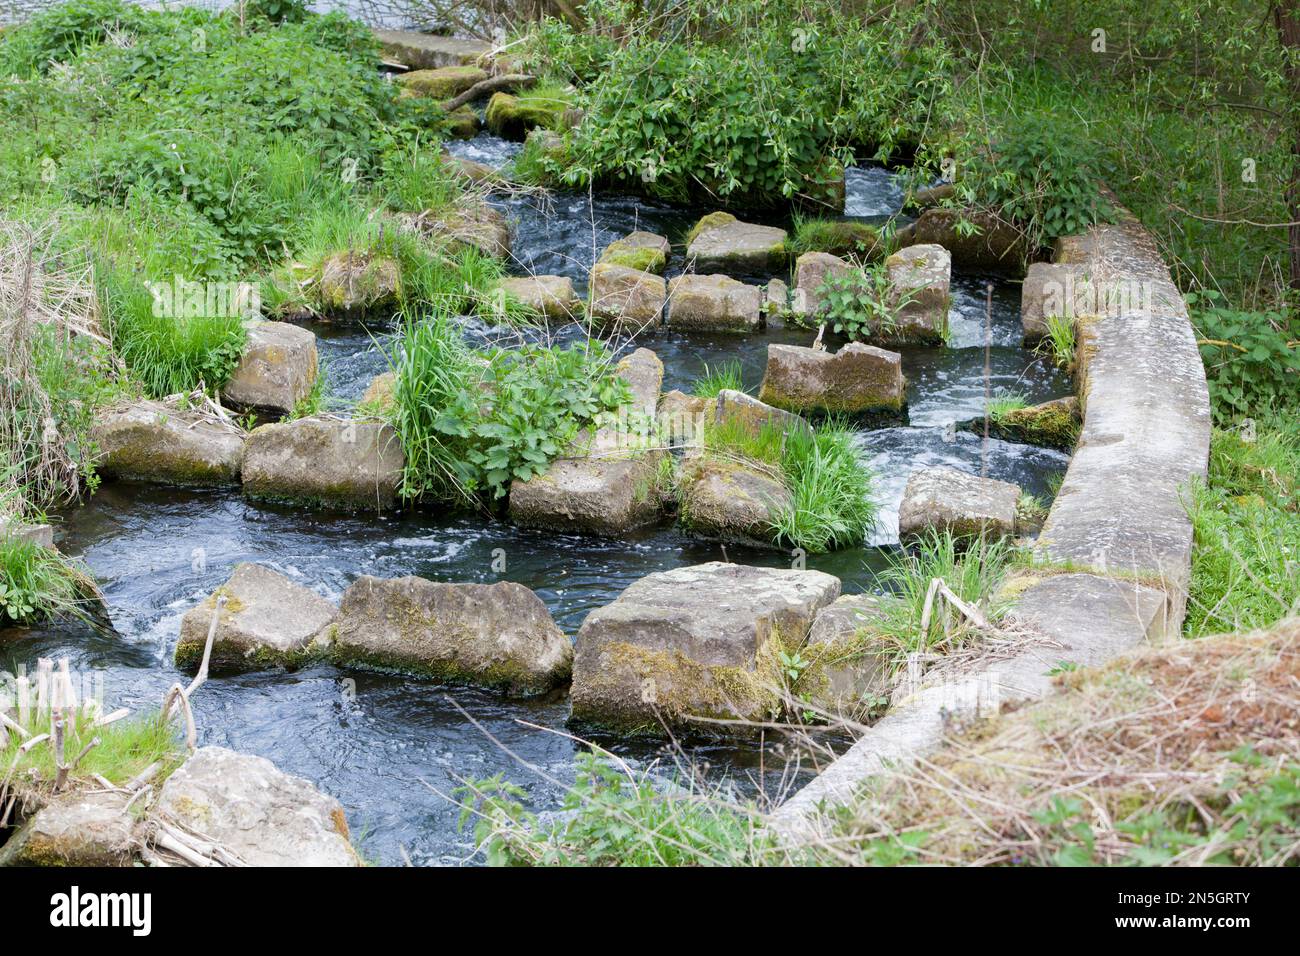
(1114, 555)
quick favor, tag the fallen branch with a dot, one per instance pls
(491, 85)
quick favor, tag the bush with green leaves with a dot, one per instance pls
(471, 422)
(1252, 359)
(38, 583)
(859, 303)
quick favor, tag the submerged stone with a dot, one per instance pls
(855, 380)
(944, 499)
(643, 251)
(463, 124)
(720, 242)
(714, 303)
(256, 811)
(276, 371)
(267, 620)
(681, 648)
(489, 635)
(150, 441)
(325, 461)
(625, 298)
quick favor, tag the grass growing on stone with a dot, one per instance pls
(715, 379)
(1005, 402)
(1246, 527)
(124, 749)
(839, 237)
(832, 487)
(1059, 343)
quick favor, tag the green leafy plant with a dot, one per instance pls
(1252, 359)
(38, 583)
(1059, 343)
(861, 303)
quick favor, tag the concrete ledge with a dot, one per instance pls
(1116, 547)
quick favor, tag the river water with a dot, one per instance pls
(392, 749)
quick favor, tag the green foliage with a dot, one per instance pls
(1252, 359)
(277, 11)
(472, 422)
(1038, 176)
(58, 33)
(972, 573)
(1060, 341)
(713, 380)
(1004, 402)
(125, 749)
(1246, 528)
(860, 303)
(839, 237)
(38, 583)
(681, 115)
(611, 817)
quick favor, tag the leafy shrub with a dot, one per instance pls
(1043, 177)
(860, 302)
(473, 422)
(37, 583)
(56, 34)
(1252, 359)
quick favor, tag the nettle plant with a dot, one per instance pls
(861, 302)
(1252, 359)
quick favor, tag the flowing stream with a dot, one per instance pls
(389, 748)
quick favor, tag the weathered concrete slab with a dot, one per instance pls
(713, 303)
(325, 461)
(856, 379)
(151, 441)
(276, 370)
(945, 499)
(423, 51)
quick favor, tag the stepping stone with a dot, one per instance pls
(643, 251)
(276, 371)
(326, 462)
(681, 418)
(995, 245)
(268, 620)
(722, 243)
(731, 502)
(353, 285)
(470, 170)
(626, 299)
(549, 296)
(945, 499)
(849, 660)
(606, 483)
(746, 411)
(15, 529)
(1049, 289)
(695, 642)
(150, 441)
(856, 379)
(714, 303)
(810, 271)
(441, 83)
(424, 51)
(920, 277)
(254, 810)
(498, 635)
(75, 829)
(379, 393)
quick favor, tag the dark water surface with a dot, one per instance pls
(386, 746)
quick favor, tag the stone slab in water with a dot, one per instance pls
(722, 243)
(641, 250)
(628, 299)
(256, 811)
(549, 296)
(15, 529)
(605, 484)
(355, 284)
(325, 461)
(996, 244)
(946, 499)
(151, 441)
(811, 270)
(731, 502)
(442, 83)
(276, 370)
(1048, 291)
(499, 636)
(694, 642)
(267, 619)
(919, 278)
(746, 412)
(713, 303)
(423, 51)
(849, 661)
(856, 379)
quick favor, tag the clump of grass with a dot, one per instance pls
(839, 237)
(125, 748)
(714, 380)
(972, 571)
(38, 583)
(1246, 530)
(1001, 404)
(1059, 343)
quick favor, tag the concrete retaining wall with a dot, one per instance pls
(1115, 551)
